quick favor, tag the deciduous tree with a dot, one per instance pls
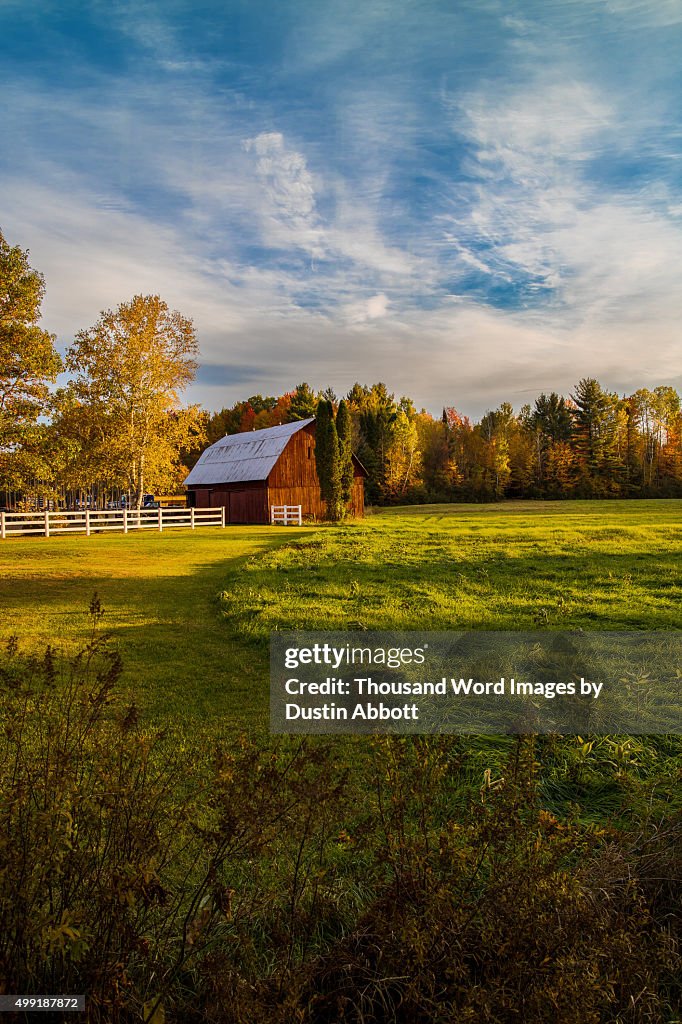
(131, 368)
(28, 365)
(403, 456)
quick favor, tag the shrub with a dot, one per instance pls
(244, 882)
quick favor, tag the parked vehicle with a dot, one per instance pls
(126, 501)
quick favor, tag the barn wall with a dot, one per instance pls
(296, 465)
(357, 498)
(293, 481)
(307, 497)
(243, 502)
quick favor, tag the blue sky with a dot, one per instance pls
(471, 201)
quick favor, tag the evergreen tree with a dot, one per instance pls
(302, 404)
(596, 422)
(550, 423)
(552, 417)
(377, 417)
(327, 460)
(344, 432)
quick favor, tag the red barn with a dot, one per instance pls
(247, 473)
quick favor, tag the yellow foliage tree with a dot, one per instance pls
(403, 460)
(130, 370)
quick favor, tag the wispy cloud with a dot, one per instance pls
(537, 214)
(458, 202)
(659, 13)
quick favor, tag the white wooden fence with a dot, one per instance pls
(87, 521)
(286, 514)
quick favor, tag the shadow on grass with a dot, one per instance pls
(180, 656)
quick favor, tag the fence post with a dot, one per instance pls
(47, 523)
(160, 519)
(222, 516)
(2, 525)
(87, 522)
(300, 515)
(125, 519)
(191, 518)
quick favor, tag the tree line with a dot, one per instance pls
(119, 426)
(592, 443)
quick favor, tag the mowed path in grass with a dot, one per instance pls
(159, 592)
(520, 565)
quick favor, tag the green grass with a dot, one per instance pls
(159, 592)
(192, 612)
(521, 565)
(517, 566)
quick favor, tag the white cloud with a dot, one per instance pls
(646, 13)
(609, 259)
(373, 308)
(289, 216)
(377, 307)
(459, 353)
(289, 192)
(547, 122)
(368, 303)
(287, 179)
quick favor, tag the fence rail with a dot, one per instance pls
(48, 524)
(286, 514)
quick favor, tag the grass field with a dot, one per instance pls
(191, 612)
(589, 565)
(543, 868)
(159, 592)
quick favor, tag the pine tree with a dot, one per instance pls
(552, 417)
(302, 404)
(596, 424)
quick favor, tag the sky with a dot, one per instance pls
(471, 200)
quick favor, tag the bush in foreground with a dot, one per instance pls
(187, 882)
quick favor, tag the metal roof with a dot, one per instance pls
(238, 458)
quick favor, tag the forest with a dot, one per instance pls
(118, 424)
(591, 443)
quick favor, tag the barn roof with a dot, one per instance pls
(239, 458)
